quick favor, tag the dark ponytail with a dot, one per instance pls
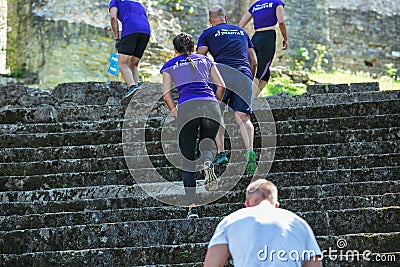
(184, 43)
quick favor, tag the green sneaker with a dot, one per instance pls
(251, 168)
(251, 159)
(220, 158)
(251, 156)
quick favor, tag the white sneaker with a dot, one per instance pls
(210, 181)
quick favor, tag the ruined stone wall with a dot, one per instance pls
(65, 41)
(364, 39)
(3, 35)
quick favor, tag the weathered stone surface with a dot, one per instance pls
(65, 44)
(64, 183)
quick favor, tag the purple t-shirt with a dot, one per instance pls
(264, 13)
(132, 15)
(191, 85)
(229, 45)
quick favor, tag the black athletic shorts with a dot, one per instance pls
(134, 44)
(264, 44)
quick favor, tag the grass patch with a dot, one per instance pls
(343, 77)
(280, 86)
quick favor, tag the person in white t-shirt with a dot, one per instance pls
(263, 234)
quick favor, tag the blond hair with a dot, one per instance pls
(265, 188)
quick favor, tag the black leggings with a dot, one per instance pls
(264, 45)
(198, 123)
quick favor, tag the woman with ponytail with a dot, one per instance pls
(197, 112)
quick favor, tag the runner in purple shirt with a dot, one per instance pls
(134, 38)
(266, 14)
(197, 113)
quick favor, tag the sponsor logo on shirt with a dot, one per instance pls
(185, 62)
(262, 6)
(223, 32)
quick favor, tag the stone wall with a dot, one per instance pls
(3, 35)
(364, 40)
(69, 42)
(62, 41)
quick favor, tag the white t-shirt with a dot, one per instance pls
(266, 236)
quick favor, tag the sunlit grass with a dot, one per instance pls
(279, 85)
(342, 77)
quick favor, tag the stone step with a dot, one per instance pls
(111, 93)
(127, 194)
(123, 177)
(83, 138)
(337, 124)
(282, 127)
(330, 222)
(193, 254)
(12, 155)
(342, 88)
(336, 111)
(61, 139)
(169, 231)
(387, 104)
(48, 114)
(163, 164)
(340, 168)
(310, 138)
(146, 233)
(228, 201)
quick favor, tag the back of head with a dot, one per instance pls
(217, 13)
(264, 189)
(184, 43)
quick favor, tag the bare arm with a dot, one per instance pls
(114, 21)
(245, 19)
(167, 93)
(253, 61)
(282, 26)
(313, 262)
(202, 50)
(216, 256)
(219, 83)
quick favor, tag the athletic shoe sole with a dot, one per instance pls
(210, 182)
(133, 92)
(192, 216)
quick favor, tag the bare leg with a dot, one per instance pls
(134, 64)
(124, 67)
(260, 86)
(246, 128)
(256, 89)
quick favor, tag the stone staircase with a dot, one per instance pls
(75, 170)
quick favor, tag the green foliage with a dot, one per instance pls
(320, 59)
(280, 86)
(302, 56)
(19, 73)
(177, 7)
(303, 59)
(391, 71)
